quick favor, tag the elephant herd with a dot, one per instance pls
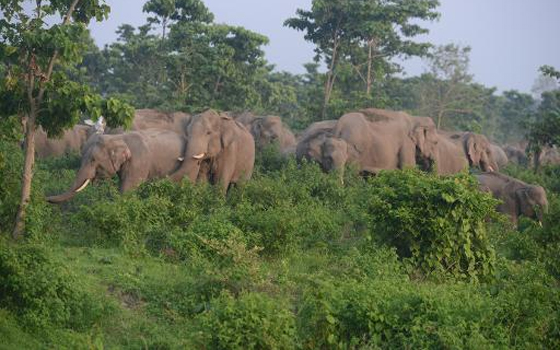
(220, 148)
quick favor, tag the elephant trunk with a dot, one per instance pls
(83, 178)
(194, 156)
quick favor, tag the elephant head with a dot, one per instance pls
(479, 152)
(334, 154)
(532, 202)
(103, 158)
(208, 135)
(424, 135)
(267, 130)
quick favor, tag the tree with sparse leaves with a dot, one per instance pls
(35, 86)
(363, 32)
(446, 92)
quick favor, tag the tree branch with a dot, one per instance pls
(54, 57)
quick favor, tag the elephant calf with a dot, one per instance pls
(134, 156)
(518, 197)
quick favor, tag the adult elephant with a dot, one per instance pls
(476, 148)
(381, 139)
(516, 155)
(270, 130)
(449, 158)
(518, 197)
(221, 147)
(71, 141)
(499, 155)
(134, 156)
(145, 119)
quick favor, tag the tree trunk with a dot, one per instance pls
(30, 124)
(329, 84)
(369, 82)
(27, 175)
(439, 119)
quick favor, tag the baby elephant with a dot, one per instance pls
(518, 197)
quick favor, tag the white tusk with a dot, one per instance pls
(199, 156)
(540, 224)
(83, 186)
(181, 159)
(491, 169)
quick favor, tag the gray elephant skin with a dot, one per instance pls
(72, 141)
(219, 146)
(519, 198)
(477, 149)
(499, 155)
(311, 140)
(270, 130)
(381, 139)
(145, 119)
(450, 158)
(134, 156)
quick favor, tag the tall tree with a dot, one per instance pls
(35, 87)
(515, 111)
(339, 28)
(545, 130)
(164, 11)
(446, 90)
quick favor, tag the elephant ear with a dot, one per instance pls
(256, 127)
(120, 155)
(470, 145)
(523, 200)
(228, 132)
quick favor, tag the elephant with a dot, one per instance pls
(245, 118)
(269, 130)
(315, 129)
(518, 197)
(134, 156)
(549, 156)
(449, 159)
(154, 119)
(72, 141)
(516, 155)
(310, 144)
(219, 145)
(499, 155)
(477, 149)
(381, 139)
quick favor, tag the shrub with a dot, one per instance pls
(11, 162)
(437, 224)
(39, 216)
(380, 314)
(252, 321)
(42, 291)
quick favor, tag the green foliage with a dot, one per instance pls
(42, 291)
(10, 165)
(252, 321)
(545, 130)
(362, 36)
(439, 225)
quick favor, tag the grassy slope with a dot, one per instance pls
(335, 291)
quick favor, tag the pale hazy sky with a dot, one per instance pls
(510, 39)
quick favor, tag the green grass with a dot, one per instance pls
(294, 259)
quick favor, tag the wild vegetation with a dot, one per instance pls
(294, 258)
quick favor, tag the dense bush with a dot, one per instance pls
(376, 314)
(252, 321)
(438, 224)
(11, 161)
(40, 216)
(41, 290)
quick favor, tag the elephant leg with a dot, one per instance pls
(370, 171)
